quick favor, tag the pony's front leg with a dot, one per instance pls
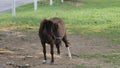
(52, 53)
(44, 52)
(58, 43)
(58, 49)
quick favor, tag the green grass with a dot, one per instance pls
(86, 17)
(81, 66)
(109, 58)
(106, 58)
(82, 17)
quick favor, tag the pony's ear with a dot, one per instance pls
(45, 20)
(42, 23)
(50, 21)
(48, 24)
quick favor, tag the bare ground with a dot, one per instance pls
(20, 48)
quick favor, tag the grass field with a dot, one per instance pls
(101, 17)
(82, 17)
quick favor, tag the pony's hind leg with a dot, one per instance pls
(65, 41)
(66, 44)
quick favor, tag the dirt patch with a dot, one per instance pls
(24, 48)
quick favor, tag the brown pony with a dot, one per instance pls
(52, 32)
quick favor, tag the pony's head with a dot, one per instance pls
(49, 28)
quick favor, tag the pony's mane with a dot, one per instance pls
(48, 27)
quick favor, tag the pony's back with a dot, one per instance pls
(60, 26)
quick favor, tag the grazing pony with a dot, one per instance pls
(52, 32)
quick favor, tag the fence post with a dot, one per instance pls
(13, 8)
(51, 2)
(62, 1)
(35, 5)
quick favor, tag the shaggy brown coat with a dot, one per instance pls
(52, 32)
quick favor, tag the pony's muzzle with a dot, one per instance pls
(58, 41)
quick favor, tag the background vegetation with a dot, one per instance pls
(86, 17)
(82, 17)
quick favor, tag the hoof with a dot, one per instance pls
(59, 56)
(52, 63)
(44, 61)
